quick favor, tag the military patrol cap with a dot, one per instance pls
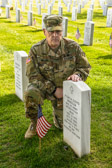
(53, 22)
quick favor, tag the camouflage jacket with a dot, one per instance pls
(47, 69)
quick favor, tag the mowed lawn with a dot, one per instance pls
(15, 151)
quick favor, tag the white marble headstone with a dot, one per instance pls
(88, 33)
(43, 25)
(74, 13)
(7, 11)
(68, 7)
(39, 9)
(109, 18)
(76, 116)
(21, 80)
(60, 11)
(4, 3)
(49, 9)
(18, 15)
(30, 18)
(79, 8)
(89, 14)
(105, 10)
(109, 2)
(65, 26)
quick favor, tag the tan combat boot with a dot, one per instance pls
(31, 130)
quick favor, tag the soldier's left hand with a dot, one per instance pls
(74, 78)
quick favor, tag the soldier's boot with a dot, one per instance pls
(31, 131)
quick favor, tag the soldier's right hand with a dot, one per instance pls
(59, 93)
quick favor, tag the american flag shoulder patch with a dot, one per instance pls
(28, 60)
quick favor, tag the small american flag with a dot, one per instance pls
(42, 124)
(77, 35)
(34, 22)
(21, 18)
(110, 41)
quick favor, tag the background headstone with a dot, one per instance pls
(79, 8)
(18, 15)
(60, 11)
(65, 26)
(43, 25)
(89, 14)
(39, 9)
(88, 33)
(30, 18)
(21, 80)
(74, 13)
(109, 2)
(76, 116)
(109, 18)
(4, 3)
(7, 11)
(105, 10)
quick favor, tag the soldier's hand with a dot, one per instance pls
(59, 93)
(74, 78)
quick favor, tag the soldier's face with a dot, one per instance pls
(53, 38)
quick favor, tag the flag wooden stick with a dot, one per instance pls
(39, 145)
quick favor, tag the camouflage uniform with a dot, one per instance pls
(46, 70)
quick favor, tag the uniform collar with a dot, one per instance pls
(60, 51)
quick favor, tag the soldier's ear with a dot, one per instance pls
(44, 30)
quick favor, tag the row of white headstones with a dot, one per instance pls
(89, 25)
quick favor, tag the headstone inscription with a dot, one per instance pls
(88, 33)
(21, 80)
(76, 116)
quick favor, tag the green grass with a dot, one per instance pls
(15, 151)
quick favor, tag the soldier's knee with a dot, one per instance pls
(33, 95)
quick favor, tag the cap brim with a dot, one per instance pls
(54, 28)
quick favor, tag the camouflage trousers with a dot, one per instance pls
(34, 96)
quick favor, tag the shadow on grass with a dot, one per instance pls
(9, 99)
(84, 45)
(33, 31)
(7, 21)
(105, 57)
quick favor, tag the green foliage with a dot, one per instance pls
(16, 152)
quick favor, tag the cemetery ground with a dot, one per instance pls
(16, 152)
